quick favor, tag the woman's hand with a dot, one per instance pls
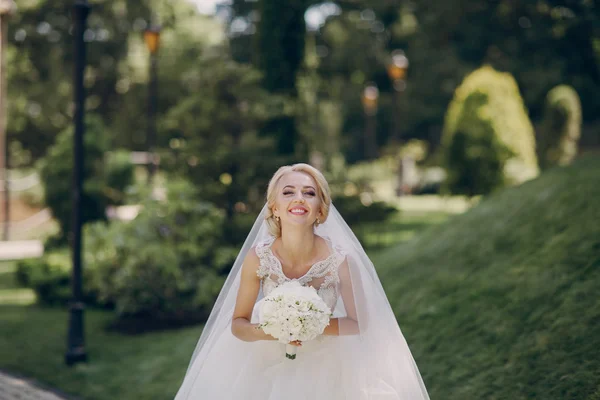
(260, 334)
(296, 343)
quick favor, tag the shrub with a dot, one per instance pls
(103, 185)
(561, 127)
(166, 264)
(356, 212)
(354, 189)
(488, 140)
(119, 176)
(50, 279)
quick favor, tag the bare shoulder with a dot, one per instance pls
(251, 262)
(344, 268)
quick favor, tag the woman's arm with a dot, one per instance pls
(347, 325)
(246, 298)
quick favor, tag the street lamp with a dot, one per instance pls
(396, 69)
(7, 8)
(152, 39)
(370, 97)
(75, 345)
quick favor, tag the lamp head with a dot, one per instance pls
(398, 65)
(152, 38)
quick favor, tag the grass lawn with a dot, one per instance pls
(502, 302)
(400, 228)
(33, 343)
(150, 366)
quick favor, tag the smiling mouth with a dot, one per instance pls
(298, 211)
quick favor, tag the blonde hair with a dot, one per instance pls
(322, 191)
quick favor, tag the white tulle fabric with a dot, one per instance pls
(368, 362)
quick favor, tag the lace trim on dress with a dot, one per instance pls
(270, 271)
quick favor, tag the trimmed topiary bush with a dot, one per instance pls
(488, 140)
(561, 127)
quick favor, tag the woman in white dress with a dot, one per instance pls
(362, 354)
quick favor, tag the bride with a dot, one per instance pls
(362, 355)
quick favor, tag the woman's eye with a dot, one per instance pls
(310, 193)
(287, 192)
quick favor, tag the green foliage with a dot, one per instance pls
(103, 184)
(508, 289)
(50, 279)
(119, 175)
(280, 43)
(166, 264)
(488, 140)
(352, 193)
(358, 214)
(40, 67)
(56, 173)
(533, 41)
(561, 127)
(215, 140)
(279, 55)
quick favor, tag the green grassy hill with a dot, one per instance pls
(503, 302)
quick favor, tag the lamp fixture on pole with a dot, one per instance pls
(370, 98)
(152, 39)
(397, 69)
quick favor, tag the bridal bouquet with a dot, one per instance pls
(293, 312)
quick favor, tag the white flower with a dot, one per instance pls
(294, 312)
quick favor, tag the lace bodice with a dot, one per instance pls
(323, 275)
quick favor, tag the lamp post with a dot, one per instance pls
(370, 97)
(75, 345)
(152, 39)
(7, 8)
(397, 72)
(396, 69)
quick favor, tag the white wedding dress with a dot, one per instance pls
(374, 364)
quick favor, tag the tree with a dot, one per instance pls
(40, 65)
(279, 55)
(214, 136)
(104, 184)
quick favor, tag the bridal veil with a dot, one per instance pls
(373, 363)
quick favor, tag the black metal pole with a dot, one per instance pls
(396, 119)
(75, 345)
(370, 140)
(397, 140)
(152, 98)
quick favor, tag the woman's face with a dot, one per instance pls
(297, 200)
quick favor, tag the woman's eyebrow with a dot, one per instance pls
(294, 187)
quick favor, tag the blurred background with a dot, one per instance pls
(461, 141)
